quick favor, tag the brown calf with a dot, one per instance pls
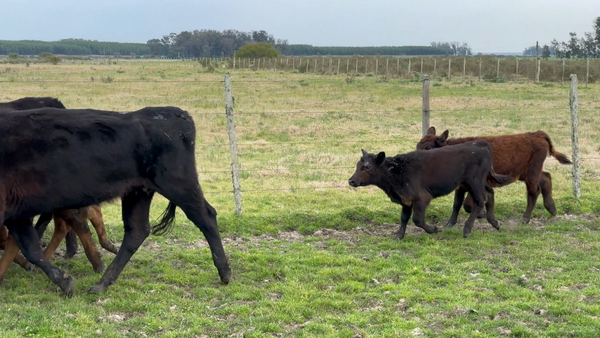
(65, 221)
(520, 156)
(414, 179)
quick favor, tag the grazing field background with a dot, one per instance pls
(312, 256)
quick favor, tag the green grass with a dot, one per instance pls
(310, 256)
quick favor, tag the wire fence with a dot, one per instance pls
(311, 148)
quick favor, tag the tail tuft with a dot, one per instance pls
(166, 221)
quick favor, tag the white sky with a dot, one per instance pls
(487, 25)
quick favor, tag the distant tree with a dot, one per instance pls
(559, 51)
(545, 52)
(12, 56)
(588, 45)
(529, 51)
(282, 46)
(257, 50)
(597, 35)
(574, 46)
(262, 36)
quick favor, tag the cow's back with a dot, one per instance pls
(511, 154)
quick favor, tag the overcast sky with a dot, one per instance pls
(487, 25)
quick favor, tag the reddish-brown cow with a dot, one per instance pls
(520, 156)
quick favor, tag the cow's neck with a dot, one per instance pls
(392, 183)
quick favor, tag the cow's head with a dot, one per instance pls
(368, 169)
(430, 140)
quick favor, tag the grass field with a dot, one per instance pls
(311, 256)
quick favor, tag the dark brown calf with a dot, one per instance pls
(520, 156)
(414, 179)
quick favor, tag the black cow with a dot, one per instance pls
(53, 158)
(31, 103)
(415, 178)
(34, 103)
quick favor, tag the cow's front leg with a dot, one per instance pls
(406, 211)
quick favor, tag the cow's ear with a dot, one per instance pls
(364, 153)
(431, 131)
(380, 158)
(443, 138)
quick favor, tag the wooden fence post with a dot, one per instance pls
(449, 68)
(421, 65)
(338, 68)
(347, 65)
(356, 71)
(409, 66)
(426, 107)
(573, 103)
(537, 72)
(376, 65)
(479, 69)
(562, 79)
(498, 70)
(587, 72)
(235, 167)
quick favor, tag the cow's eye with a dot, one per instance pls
(428, 148)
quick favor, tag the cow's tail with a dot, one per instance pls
(562, 158)
(166, 221)
(498, 179)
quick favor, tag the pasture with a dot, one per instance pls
(310, 255)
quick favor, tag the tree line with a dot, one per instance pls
(72, 47)
(212, 43)
(587, 46)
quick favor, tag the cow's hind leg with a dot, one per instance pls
(419, 208)
(546, 189)
(71, 244)
(26, 238)
(468, 206)
(533, 178)
(60, 231)
(533, 191)
(10, 253)
(83, 232)
(459, 196)
(204, 216)
(489, 207)
(135, 209)
(477, 192)
(19, 259)
(94, 214)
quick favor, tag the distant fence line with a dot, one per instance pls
(481, 68)
(495, 69)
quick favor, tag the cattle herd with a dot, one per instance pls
(62, 163)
